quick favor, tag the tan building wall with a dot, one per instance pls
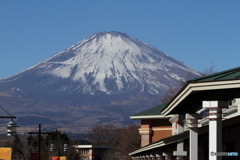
(161, 132)
(154, 130)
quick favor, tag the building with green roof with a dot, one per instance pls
(203, 119)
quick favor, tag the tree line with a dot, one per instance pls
(122, 141)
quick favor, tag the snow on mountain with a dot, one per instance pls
(104, 78)
(117, 58)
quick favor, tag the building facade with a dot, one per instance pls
(201, 122)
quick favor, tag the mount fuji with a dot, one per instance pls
(101, 79)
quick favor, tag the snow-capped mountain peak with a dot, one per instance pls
(115, 57)
(103, 78)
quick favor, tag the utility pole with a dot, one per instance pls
(31, 139)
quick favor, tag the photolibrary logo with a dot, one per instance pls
(224, 153)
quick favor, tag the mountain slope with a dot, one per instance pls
(106, 69)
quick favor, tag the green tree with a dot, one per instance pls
(22, 151)
(58, 139)
(57, 135)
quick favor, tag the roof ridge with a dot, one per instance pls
(152, 111)
(216, 75)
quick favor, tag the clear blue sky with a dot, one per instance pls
(197, 33)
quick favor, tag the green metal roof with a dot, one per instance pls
(217, 86)
(231, 74)
(152, 111)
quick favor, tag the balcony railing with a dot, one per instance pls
(232, 111)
